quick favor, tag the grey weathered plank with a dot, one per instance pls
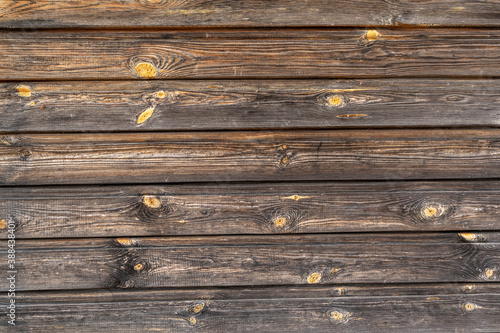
(280, 53)
(249, 156)
(122, 211)
(150, 13)
(280, 309)
(200, 105)
(255, 260)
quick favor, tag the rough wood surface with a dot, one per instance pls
(170, 13)
(122, 211)
(249, 156)
(459, 308)
(256, 260)
(200, 105)
(280, 53)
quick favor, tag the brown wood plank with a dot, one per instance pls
(255, 260)
(201, 105)
(249, 156)
(409, 308)
(270, 53)
(264, 208)
(147, 13)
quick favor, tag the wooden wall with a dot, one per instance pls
(250, 166)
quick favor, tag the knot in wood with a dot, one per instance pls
(24, 91)
(25, 154)
(339, 316)
(314, 278)
(433, 210)
(489, 273)
(469, 306)
(145, 115)
(151, 201)
(371, 35)
(197, 308)
(146, 70)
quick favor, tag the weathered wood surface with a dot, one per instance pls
(171, 13)
(201, 105)
(457, 308)
(32, 159)
(256, 260)
(280, 53)
(121, 211)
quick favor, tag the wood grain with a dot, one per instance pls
(149, 13)
(293, 309)
(267, 53)
(249, 156)
(264, 208)
(62, 264)
(101, 106)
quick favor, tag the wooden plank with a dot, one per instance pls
(265, 208)
(249, 156)
(445, 308)
(255, 260)
(146, 13)
(179, 105)
(270, 53)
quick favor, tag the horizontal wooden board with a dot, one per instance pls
(123, 211)
(281, 309)
(278, 53)
(59, 264)
(200, 105)
(248, 156)
(149, 13)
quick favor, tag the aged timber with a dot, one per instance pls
(263, 208)
(350, 308)
(79, 106)
(279, 53)
(257, 13)
(257, 260)
(249, 156)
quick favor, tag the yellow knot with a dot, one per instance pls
(146, 70)
(469, 306)
(337, 315)
(161, 94)
(24, 91)
(192, 320)
(138, 267)
(335, 100)
(124, 241)
(197, 308)
(280, 222)
(314, 278)
(470, 237)
(468, 288)
(151, 201)
(3, 224)
(489, 273)
(372, 35)
(145, 115)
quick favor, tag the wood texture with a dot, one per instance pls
(249, 156)
(256, 260)
(122, 211)
(179, 105)
(214, 54)
(471, 308)
(149, 13)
